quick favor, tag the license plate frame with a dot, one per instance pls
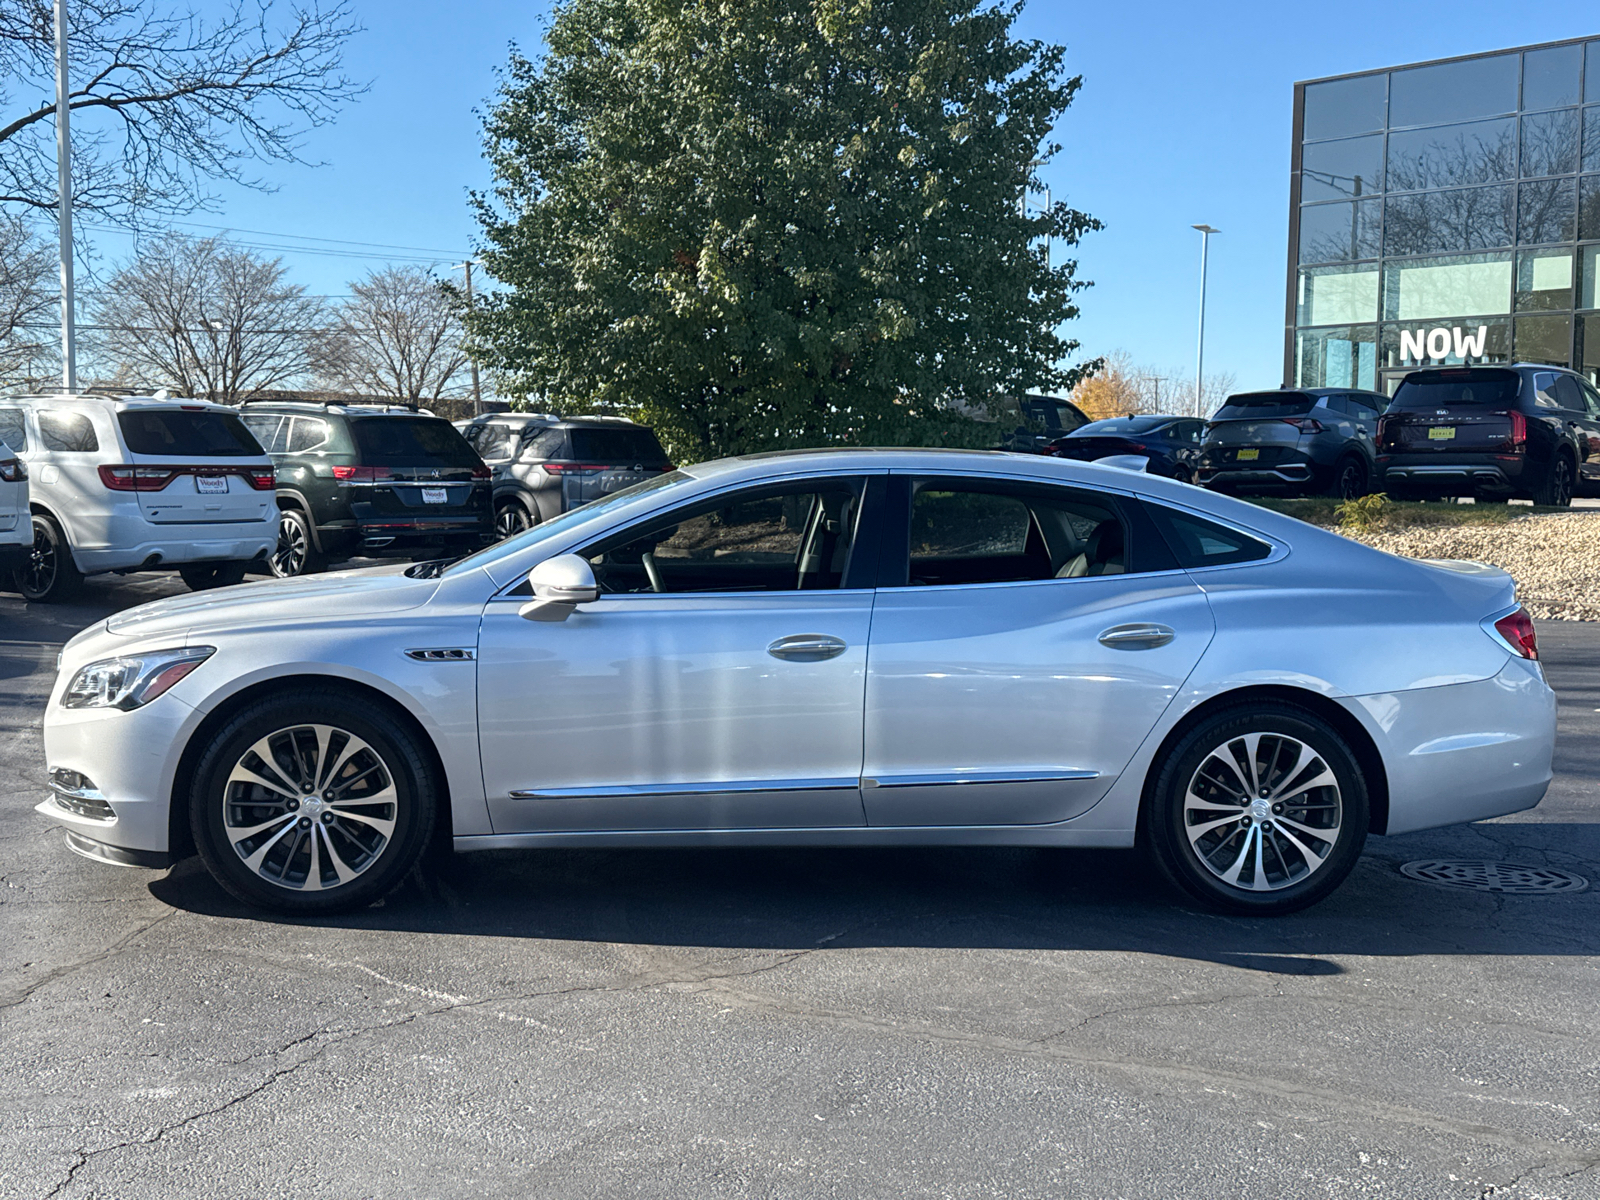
(1249, 455)
(1441, 433)
(435, 495)
(211, 485)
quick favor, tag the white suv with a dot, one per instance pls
(135, 483)
(16, 537)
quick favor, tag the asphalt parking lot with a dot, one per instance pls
(797, 1023)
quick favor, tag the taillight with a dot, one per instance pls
(1517, 629)
(263, 479)
(136, 479)
(1519, 429)
(362, 474)
(1303, 424)
(13, 470)
(574, 468)
(1383, 428)
(670, 467)
(480, 472)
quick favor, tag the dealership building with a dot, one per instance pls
(1446, 212)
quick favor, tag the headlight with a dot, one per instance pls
(132, 681)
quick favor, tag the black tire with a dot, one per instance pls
(1555, 490)
(200, 577)
(296, 552)
(1182, 474)
(279, 880)
(511, 517)
(1349, 480)
(1291, 881)
(48, 575)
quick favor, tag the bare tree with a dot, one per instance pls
(207, 318)
(27, 291)
(399, 336)
(165, 103)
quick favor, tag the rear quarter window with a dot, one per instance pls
(70, 433)
(178, 433)
(1196, 542)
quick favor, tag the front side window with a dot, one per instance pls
(13, 429)
(765, 540)
(983, 532)
(71, 433)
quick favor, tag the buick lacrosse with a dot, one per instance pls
(831, 648)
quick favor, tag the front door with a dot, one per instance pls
(1030, 641)
(718, 682)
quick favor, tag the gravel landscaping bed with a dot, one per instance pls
(1554, 557)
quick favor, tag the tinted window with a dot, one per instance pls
(493, 440)
(1477, 152)
(772, 539)
(1464, 219)
(266, 428)
(1364, 406)
(13, 431)
(1343, 169)
(72, 433)
(1265, 405)
(1477, 87)
(1544, 390)
(545, 442)
(1430, 390)
(1118, 425)
(976, 533)
(1196, 542)
(1567, 393)
(1547, 211)
(1553, 77)
(1589, 207)
(411, 442)
(1591, 138)
(619, 445)
(1591, 399)
(181, 434)
(1344, 106)
(1339, 232)
(1550, 143)
(308, 433)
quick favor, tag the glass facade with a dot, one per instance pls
(1446, 212)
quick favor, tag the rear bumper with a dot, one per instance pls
(174, 545)
(1465, 472)
(1292, 472)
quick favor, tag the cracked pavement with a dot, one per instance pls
(962, 1023)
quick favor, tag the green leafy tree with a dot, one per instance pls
(760, 224)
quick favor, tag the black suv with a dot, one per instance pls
(1525, 430)
(544, 465)
(357, 479)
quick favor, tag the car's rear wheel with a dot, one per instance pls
(1349, 478)
(312, 803)
(511, 518)
(1182, 474)
(201, 576)
(1555, 491)
(1259, 810)
(296, 552)
(48, 575)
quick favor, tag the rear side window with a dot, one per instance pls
(307, 434)
(177, 433)
(1265, 406)
(542, 443)
(411, 442)
(1363, 406)
(1429, 389)
(623, 445)
(266, 429)
(1197, 542)
(71, 433)
(13, 430)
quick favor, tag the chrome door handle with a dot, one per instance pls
(807, 647)
(1137, 637)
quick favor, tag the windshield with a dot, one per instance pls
(573, 516)
(177, 433)
(411, 442)
(1424, 391)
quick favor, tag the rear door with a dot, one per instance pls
(1591, 406)
(204, 454)
(1581, 421)
(1026, 637)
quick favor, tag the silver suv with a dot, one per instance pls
(545, 465)
(1294, 441)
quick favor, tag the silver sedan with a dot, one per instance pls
(824, 648)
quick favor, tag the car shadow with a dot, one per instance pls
(974, 898)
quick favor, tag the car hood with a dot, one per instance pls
(336, 594)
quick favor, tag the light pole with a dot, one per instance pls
(69, 346)
(477, 391)
(1200, 350)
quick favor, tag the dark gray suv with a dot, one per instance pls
(1294, 441)
(544, 465)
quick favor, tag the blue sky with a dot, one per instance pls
(1184, 117)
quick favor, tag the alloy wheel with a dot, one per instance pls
(289, 558)
(1262, 811)
(511, 520)
(1352, 480)
(310, 807)
(39, 572)
(1561, 486)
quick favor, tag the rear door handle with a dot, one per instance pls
(807, 647)
(1137, 637)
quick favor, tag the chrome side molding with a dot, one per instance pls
(946, 778)
(683, 789)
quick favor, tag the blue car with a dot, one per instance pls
(1171, 444)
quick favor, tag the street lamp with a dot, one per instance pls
(1200, 351)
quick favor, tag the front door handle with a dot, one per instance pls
(1137, 637)
(807, 647)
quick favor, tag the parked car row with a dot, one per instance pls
(1494, 433)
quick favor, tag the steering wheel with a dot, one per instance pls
(652, 572)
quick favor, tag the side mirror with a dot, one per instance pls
(559, 584)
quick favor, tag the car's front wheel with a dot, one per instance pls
(1260, 810)
(312, 802)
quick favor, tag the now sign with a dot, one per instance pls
(1418, 344)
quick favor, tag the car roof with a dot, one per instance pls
(332, 408)
(102, 400)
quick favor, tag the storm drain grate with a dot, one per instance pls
(1507, 878)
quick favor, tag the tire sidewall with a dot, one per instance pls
(1164, 825)
(308, 561)
(66, 576)
(413, 780)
